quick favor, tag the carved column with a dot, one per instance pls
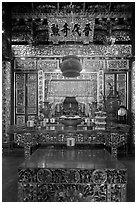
(6, 100)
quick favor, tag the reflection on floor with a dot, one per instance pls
(12, 160)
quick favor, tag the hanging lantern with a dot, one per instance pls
(71, 66)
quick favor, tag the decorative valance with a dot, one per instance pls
(70, 88)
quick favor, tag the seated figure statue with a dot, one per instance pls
(70, 106)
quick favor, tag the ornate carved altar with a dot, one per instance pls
(29, 137)
(52, 175)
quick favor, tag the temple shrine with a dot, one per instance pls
(68, 100)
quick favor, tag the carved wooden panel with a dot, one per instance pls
(118, 64)
(25, 63)
(93, 65)
(47, 65)
(122, 88)
(25, 96)
(32, 93)
(109, 82)
(20, 93)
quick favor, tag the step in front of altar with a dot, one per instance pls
(71, 175)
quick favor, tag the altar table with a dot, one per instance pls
(71, 175)
(29, 137)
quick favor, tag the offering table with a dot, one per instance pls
(71, 175)
(29, 137)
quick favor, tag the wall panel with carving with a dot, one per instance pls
(6, 100)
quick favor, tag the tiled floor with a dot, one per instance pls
(12, 160)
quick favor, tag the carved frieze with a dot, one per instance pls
(80, 50)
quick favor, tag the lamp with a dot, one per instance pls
(71, 66)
